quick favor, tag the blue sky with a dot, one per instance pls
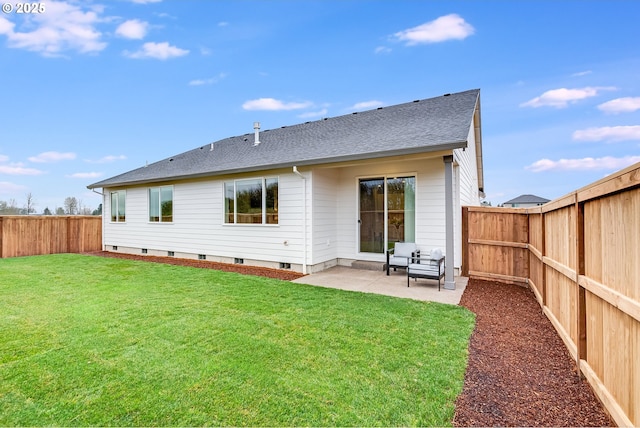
(91, 89)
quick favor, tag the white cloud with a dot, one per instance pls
(4, 158)
(157, 51)
(19, 170)
(107, 159)
(209, 81)
(382, 50)
(582, 73)
(311, 114)
(562, 97)
(48, 157)
(145, 1)
(366, 105)
(448, 27)
(133, 29)
(584, 164)
(621, 105)
(62, 27)
(85, 175)
(7, 187)
(274, 105)
(608, 133)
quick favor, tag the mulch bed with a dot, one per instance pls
(286, 275)
(519, 372)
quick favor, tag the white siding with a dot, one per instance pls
(332, 216)
(198, 224)
(430, 218)
(325, 216)
(466, 189)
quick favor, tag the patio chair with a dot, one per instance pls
(399, 255)
(431, 267)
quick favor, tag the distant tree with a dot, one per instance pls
(9, 208)
(60, 211)
(46, 211)
(30, 204)
(97, 211)
(70, 205)
(485, 203)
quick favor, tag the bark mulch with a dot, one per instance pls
(519, 372)
(286, 275)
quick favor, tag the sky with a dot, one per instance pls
(90, 89)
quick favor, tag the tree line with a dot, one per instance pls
(71, 206)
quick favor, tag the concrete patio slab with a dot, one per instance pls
(368, 281)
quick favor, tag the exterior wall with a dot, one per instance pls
(331, 216)
(325, 213)
(198, 224)
(466, 188)
(430, 219)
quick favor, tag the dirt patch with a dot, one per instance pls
(520, 373)
(286, 275)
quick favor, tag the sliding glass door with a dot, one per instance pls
(387, 212)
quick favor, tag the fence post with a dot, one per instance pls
(581, 312)
(543, 251)
(1, 236)
(465, 241)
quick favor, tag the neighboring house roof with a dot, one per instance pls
(527, 199)
(440, 123)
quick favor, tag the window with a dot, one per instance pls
(118, 206)
(161, 204)
(253, 201)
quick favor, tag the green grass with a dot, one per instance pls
(96, 341)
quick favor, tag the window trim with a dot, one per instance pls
(234, 183)
(117, 208)
(159, 188)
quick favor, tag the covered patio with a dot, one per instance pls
(376, 281)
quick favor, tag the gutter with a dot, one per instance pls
(304, 218)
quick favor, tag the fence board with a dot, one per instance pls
(583, 264)
(35, 235)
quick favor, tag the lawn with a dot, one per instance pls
(86, 340)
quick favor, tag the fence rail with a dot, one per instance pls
(34, 235)
(580, 254)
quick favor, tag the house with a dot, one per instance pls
(526, 201)
(310, 196)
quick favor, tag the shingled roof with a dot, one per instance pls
(440, 123)
(527, 199)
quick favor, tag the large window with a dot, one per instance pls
(161, 204)
(253, 201)
(118, 206)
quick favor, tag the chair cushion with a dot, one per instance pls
(436, 254)
(404, 249)
(398, 261)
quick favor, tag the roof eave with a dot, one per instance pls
(317, 161)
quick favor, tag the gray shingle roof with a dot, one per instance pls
(440, 123)
(528, 199)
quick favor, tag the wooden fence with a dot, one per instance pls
(34, 235)
(580, 255)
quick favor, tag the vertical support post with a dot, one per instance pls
(1, 237)
(449, 280)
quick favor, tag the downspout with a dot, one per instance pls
(304, 219)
